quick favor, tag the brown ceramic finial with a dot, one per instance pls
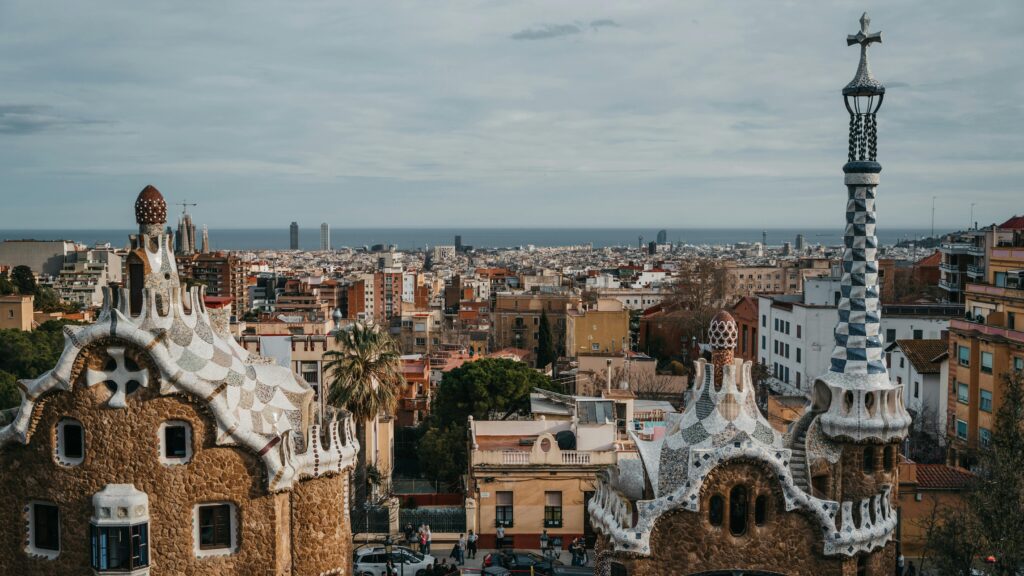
(722, 335)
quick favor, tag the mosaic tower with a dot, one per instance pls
(862, 403)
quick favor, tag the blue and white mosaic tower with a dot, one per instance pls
(856, 395)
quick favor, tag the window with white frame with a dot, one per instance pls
(175, 442)
(70, 440)
(43, 530)
(215, 529)
(963, 393)
(961, 429)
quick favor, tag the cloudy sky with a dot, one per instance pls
(676, 114)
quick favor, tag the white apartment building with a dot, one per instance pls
(796, 331)
(917, 366)
(85, 273)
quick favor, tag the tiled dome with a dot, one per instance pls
(150, 207)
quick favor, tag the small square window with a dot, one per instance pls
(985, 405)
(44, 529)
(964, 355)
(70, 442)
(984, 437)
(215, 529)
(986, 362)
(175, 442)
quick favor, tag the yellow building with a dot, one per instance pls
(986, 346)
(603, 327)
(16, 312)
(535, 475)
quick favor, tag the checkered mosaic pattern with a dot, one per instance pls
(858, 335)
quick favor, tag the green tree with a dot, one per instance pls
(991, 520)
(24, 280)
(442, 453)
(29, 354)
(487, 388)
(545, 342)
(6, 286)
(10, 397)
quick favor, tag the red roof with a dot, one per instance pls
(1016, 223)
(942, 477)
(216, 301)
(933, 260)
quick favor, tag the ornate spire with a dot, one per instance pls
(859, 400)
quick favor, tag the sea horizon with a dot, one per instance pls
(242, 239)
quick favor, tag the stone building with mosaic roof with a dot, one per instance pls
(157, 445)
(724, 493)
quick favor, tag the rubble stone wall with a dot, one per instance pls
(122, 446)
(789, 543)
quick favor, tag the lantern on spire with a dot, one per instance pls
(863, 97)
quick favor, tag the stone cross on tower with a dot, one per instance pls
(864, 38)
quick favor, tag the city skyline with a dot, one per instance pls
(557, 112)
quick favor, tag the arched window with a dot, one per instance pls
(716, 510)
(889, 458)
(761, 510)
(738, 511)
(869, 460)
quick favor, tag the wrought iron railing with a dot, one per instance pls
(447, 519)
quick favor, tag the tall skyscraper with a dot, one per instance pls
(294, 236)
(458, 243)
(325, 237)
(662, 236)
(800, 243)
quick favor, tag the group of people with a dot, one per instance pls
(578, 549)
(421, 536)
(465, 547)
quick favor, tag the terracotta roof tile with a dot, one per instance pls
(942, 477)
(922, 354)
(1016, 223)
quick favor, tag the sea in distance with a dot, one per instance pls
(415, 238)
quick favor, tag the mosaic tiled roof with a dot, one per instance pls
(257, 404)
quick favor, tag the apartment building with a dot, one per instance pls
(986, 344)
(782, 277)
(86, 273)
(916, 365)
(535, 475)
(600, 327)
(223, 274)
(517, 315)
(796, 331)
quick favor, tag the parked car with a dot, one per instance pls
(556, 568)
(514, 560)
(373, 561)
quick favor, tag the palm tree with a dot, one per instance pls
(364, 378)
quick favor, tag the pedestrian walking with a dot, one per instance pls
(460, 547)
(409, 534)
(899, 565)
(501, 536)
(423, 541)
(544, 544)
(430, 538)
(471, 543)
(911, 571)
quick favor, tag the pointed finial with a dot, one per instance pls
(865, 23)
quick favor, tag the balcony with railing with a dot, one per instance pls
(976, 271)
(949, 267)
(948, 286)
(996, 331)
(956, 247)
(553, 457)
(1002, 292)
